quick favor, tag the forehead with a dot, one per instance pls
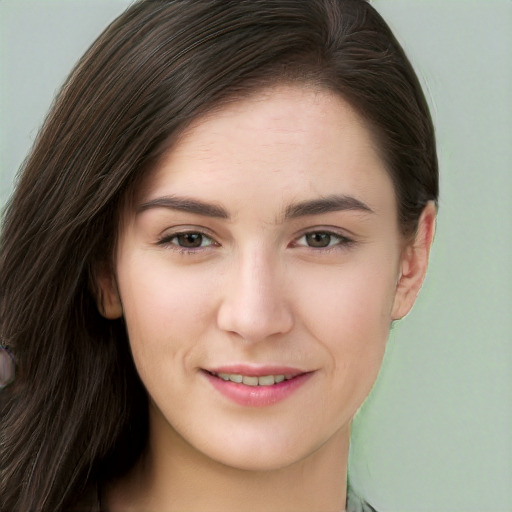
(289, 142)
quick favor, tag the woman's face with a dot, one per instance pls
(265, 245)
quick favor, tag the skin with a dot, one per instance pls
(257, 290)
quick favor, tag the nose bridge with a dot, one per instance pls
(254, 305)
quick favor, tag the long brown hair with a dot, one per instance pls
(77, 411)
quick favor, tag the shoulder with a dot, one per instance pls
(356, 504)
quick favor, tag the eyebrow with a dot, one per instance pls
(327, 204)
(319, 206)
(186, 204)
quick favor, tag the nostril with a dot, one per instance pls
(254, 324)
(254, 305)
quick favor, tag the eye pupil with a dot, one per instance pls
(318, 239)
(190, 240)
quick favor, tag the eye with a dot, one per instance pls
(187, 240)
(322, 240)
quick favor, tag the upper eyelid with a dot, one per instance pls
(331, 230)
(183, 230)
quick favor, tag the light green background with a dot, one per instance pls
(436, 433)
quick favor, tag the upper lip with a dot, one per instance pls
(256, 371)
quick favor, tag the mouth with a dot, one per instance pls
(248, 386)
(254, 380)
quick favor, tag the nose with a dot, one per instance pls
(254, 305)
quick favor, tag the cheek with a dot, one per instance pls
(166, 311)
(351, 319)
(350, 313)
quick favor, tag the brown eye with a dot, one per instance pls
(319, 239)
(189, 240)
(323, 240)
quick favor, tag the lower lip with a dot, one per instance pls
(257, 396)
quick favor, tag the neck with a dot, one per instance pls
(173, 476)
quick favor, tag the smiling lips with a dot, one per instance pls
(256, 387)
(253, 380)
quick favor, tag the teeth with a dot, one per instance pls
(267, 380)
(264, 380)
(250, 381)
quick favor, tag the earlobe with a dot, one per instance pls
(107, 295)
(414, 262)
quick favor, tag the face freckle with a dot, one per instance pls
(266, 240)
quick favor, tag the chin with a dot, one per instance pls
(270, 452)
(260, 462)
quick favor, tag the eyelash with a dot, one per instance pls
(342, 242)
(166, 241)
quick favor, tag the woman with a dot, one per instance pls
(226, 208)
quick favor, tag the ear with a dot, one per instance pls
(106, 291)
(414, 262)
